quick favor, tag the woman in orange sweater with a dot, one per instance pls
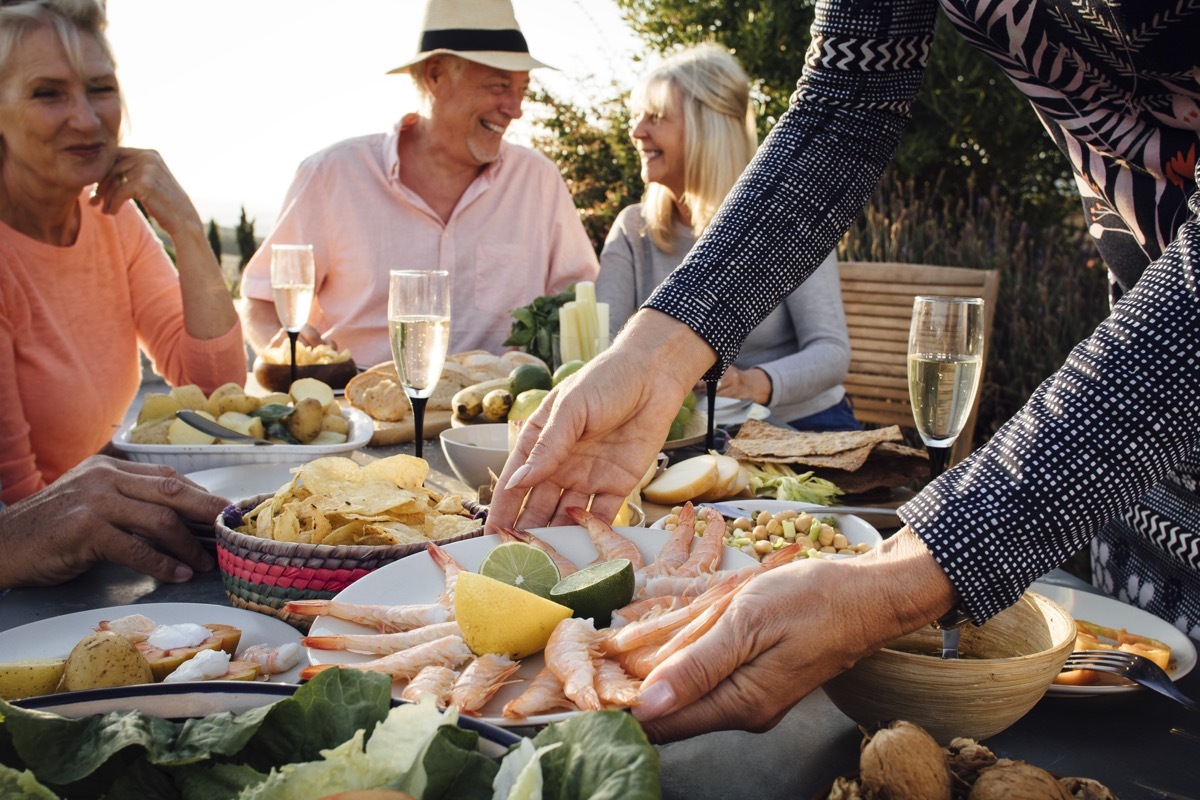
(83, 279)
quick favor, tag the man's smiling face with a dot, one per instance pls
(474, 106)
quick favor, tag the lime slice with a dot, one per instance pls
(521, 565)
(596, 591)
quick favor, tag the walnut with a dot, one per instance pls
(903, 761)
(1086, 789)
(1016, 780)
(845, 789)
(967, 758)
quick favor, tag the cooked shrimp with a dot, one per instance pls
(385, 619)
(565, 565)
(451, 568)
(675, 552)
(482, 678)
(639, 662)
(432, 680)
(647, 606)
(614, 686)
(381, 644)
(610, 544)
(449, 651)
(682, 585)
(657, 629)
(272, 660)
(134, 627)
(569, 656)
(706, 554)
(544, 693)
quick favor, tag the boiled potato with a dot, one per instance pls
(305, 422)
(241, 403)
(281, 398)
(190, 396)
(329, 437)
(30, 678)
(158, 406)
(243, 423)
(103, 660)
(151, 432)
(335, 423)
(224, 390)
(180, 433)
(311, 387)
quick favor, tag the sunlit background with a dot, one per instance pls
(235, 93)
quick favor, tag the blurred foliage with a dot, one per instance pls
(214, 239)
(246, 242)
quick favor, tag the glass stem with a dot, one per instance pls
(418, 406)
(710, 437)
(939, 458)
(292, 337)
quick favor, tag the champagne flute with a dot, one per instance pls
(419, 326)
(292, 277)
(945, 360)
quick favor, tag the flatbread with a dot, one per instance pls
(890, 465)
(761, 441)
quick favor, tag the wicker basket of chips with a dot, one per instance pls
(332, 524)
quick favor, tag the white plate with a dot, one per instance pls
(190, 458)
(856, 529)
(728, 412)
(1114, 614)
(243, 481)
(184, 700)
(54, 637)
(417, 579)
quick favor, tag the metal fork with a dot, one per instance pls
(1134, 667)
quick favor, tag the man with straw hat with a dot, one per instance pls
(442, 191)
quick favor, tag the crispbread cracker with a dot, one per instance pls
(890, 465)
(761, 441)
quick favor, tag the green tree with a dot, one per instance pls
(214, 239)
(246, 242)
(592, 149)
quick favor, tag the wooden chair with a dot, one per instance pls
(878, 298)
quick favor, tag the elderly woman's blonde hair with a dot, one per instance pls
(70, 19)
(720, 136)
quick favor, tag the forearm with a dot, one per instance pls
(260, 322)
(674, 353)
(208, 311)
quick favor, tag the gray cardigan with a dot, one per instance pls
(802, 345)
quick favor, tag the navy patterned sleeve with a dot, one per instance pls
(812, 175)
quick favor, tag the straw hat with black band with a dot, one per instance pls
(483, 31)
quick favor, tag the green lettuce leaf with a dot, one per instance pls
(22, 783)
(520, 775)
(604, 756)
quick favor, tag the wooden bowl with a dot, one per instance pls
(1007, 665)
(278, 377)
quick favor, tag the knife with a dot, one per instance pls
(202, 423)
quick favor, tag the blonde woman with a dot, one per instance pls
(694, 129)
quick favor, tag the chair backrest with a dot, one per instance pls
(878, 298)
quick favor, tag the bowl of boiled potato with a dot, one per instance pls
(304, 423)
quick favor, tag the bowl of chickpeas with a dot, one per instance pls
(770, 525)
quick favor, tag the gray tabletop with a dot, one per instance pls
(1140, 744)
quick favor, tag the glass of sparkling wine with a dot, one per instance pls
(945, 359)
(292, 276)
(419, 325)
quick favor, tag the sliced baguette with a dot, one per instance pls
(683, 481)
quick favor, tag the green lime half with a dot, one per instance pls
(521, 565)
(596, 591)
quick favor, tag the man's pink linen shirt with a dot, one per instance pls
(71, 321)
(514, 235)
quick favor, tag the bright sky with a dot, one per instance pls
(235, 93)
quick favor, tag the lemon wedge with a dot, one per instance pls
(502, 619)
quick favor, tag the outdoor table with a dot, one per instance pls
(1140, 744)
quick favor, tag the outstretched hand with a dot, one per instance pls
(594, 436)
(106, 510)
(788, 631)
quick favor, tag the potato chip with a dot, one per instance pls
(449, 525)
(286, 527)
(408, 472)
(328, 476)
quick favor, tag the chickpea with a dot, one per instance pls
(846, 552)
(763, 547)
(763, 517)
(676, 510)
(827, 549)
(840, 541)
(775, 526)
(790, 513)
(804, 522)
(671, 521)
(760, 532)
(701, 525)
(825, 536)
(742, 524)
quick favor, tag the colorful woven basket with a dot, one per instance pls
(263, 574)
